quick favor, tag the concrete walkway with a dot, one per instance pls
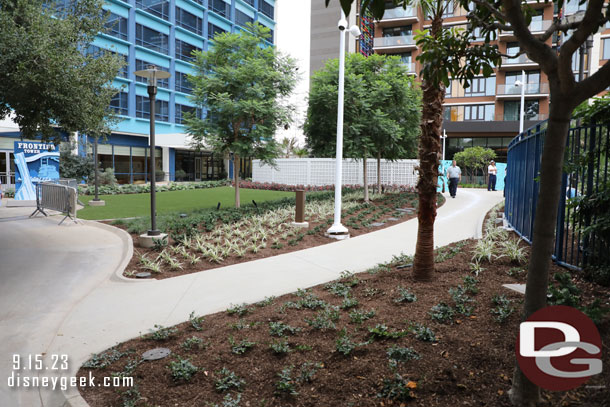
(117, 310)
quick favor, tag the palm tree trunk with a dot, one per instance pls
(236, 168)
(379, 172)
(428, 151)
(524, 393)
(365, 179)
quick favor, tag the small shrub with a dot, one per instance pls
(267, 301)
(280, 347)
(381, 331)
(423, 333)
(337, 288)
(397, 354)
(286, 384)
(404, 295)
(344, 343)
(511, 249)
(308, 371)
(503, 308)
(280, 329)
(242, 347)
(463, 303)
(325, 319)
(357, 316)
(192, 343)
(105, 359)
(476, 268)
(182, 370)
(196, 322)
(442, 312)
(228, 380)
(470, 285)
(239, 310)
(162, 333)
(397, 388)
(349, 302)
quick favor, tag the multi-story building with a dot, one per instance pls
(162, 33)
(487, 113)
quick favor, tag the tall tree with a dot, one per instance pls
(242, 82)
(566, 94)
(381, 109)
(46, 80)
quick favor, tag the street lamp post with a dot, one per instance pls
(152, 74)
(522, 85)
(444, 137)
(337, 230)
(96, 201)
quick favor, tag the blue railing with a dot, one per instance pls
(586, 172)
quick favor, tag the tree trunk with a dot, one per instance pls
(524, 393)
(428, 151)
(365, 180)
(236, 167)
(379, 172)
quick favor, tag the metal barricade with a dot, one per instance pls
(72, 183)
(58, 198)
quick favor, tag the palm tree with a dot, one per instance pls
(289, 145)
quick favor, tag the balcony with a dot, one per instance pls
(401, 41)
(535, 27)
(400, 14)
(522, 61)
(410, 66)
(528, 117)
(532, 90)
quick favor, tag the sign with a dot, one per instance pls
(34, 163)
(559, 348)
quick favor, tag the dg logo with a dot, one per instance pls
(559, 348)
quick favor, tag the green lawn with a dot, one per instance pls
(132, 205)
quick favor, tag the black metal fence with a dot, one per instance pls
(586, 174)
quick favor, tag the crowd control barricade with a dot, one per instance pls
(72, 184)
(56, 197)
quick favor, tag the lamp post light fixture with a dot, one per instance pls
(522, 85)
(444, 137)
(152, 74)
(337, 230)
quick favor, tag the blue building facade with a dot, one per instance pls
(163, 33)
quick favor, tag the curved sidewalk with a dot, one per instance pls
(116, 311)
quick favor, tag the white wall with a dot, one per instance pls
(293, 19)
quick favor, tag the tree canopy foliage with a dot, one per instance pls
(47, 81)
(243, 85)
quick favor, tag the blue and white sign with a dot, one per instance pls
(34, 163)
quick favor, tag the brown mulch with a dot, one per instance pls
(470, 364)
(307, 241)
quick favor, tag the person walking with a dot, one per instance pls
(454, 173)
(492, 172)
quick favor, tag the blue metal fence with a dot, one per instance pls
(586, 172)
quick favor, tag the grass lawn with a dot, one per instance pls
(132, 205)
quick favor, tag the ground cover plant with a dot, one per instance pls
(212, 238)
(306, 350)
(187, 200)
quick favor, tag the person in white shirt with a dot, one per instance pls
(492, 172)
(454, 173)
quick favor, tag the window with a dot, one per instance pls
(213, 30)
(449, 9)
(469, 113)
(96, 52)
(606, 48)
(117, 26)
(182, 109)
(220, 7)
(143, 109)
(142, 65)
(189, 21)
(152, 39)
(182, 83)
(481, 87)
(242, 18)
(159, 8)
(398, 31)
(265, 8)
(512, 48)
(184, 51)
(250, 2)
(532, 80)
(512, 107)
(120, 103)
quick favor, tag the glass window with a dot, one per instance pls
(117, 26)
(250, 2)
(143, 109)
(213, 30)
(398, 31)
(152, 39)
(159, 8)
(242, 18)
(182, 83)
(120, 103)
(479, 141)
(478, 87)
(184, 51)
(182, 109)
(142, 65)
(220, 7)
(512, 110)
(449, 9)
(96, 52)
(265, 8)
(189, 21)
(606, 48)
(512, 48)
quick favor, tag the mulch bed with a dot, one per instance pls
(362, 226)
(470, 363)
